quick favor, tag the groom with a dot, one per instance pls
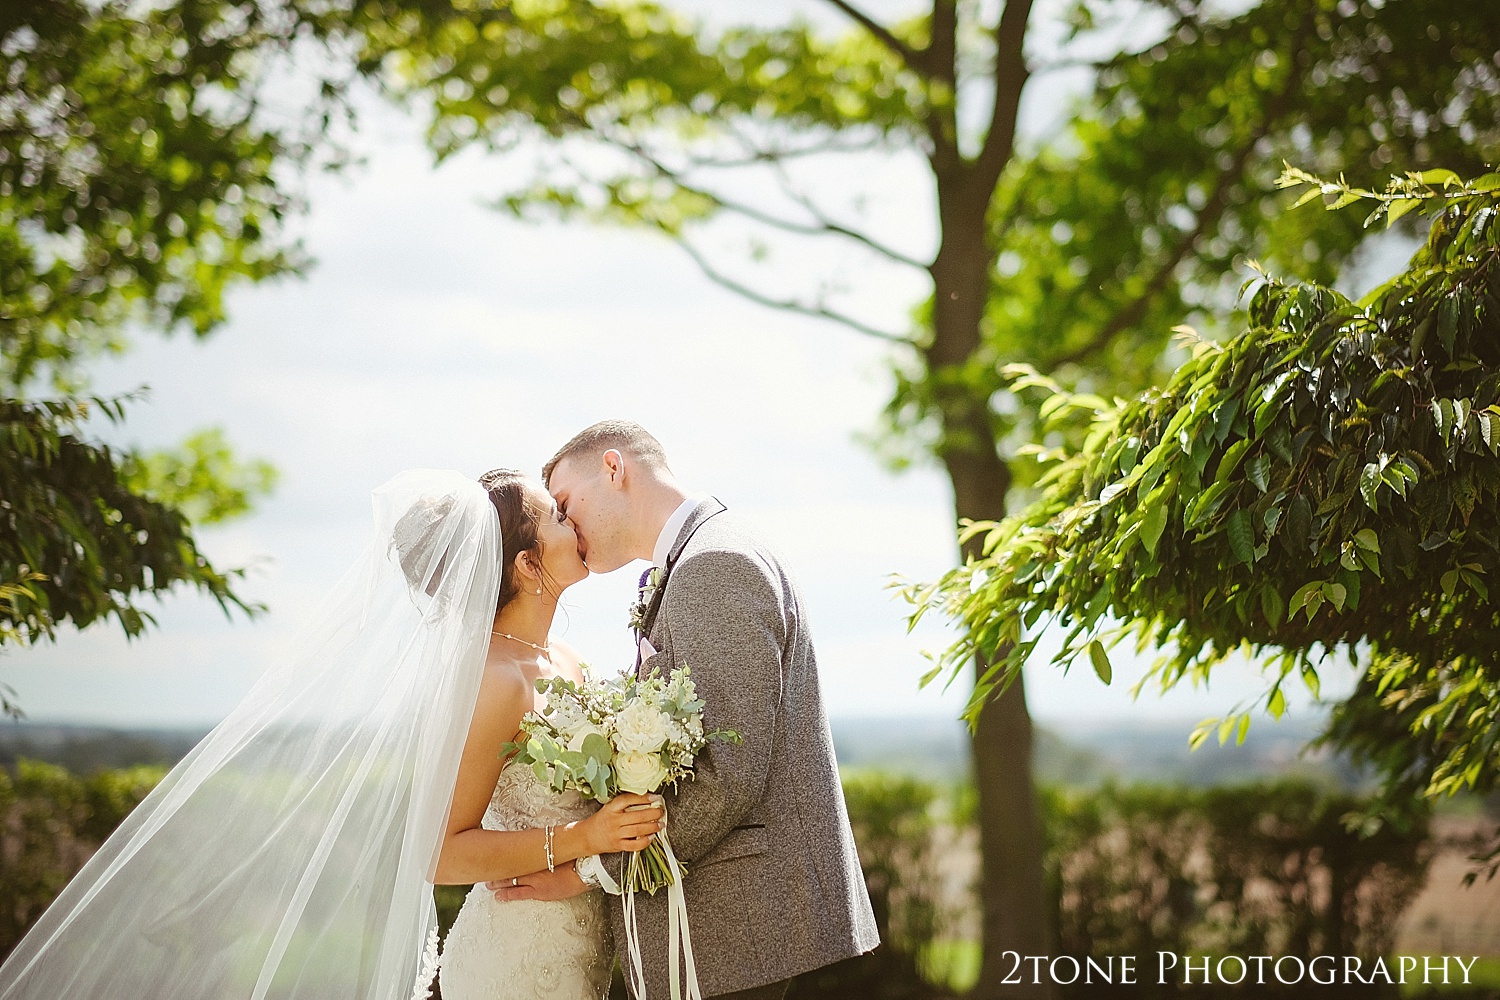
(774, 886)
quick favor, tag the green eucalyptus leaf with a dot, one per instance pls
(598, 748)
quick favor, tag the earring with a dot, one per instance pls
(539, 591)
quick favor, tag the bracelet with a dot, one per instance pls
(547, 842)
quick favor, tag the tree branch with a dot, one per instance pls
(910, 56)
(826, 224)
(941, 120)
(941, 56)
(822, 225)
(818, 310)
(1067, 64)
(1132, 312)
(1010, 77)
(757, 156)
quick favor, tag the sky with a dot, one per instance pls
(436, 332)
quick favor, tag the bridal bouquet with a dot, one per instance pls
(620, 734)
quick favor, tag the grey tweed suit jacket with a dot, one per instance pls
(774, 886)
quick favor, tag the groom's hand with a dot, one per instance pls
(561, 884)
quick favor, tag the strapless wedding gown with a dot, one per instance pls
(528, 949)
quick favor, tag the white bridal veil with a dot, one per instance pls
(288, 855)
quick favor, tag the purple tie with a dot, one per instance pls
(641, 589)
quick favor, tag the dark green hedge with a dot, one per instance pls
(1258, 869)
(51, 822)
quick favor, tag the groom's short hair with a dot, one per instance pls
(622, 435)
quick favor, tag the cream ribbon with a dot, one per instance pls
(679, 941)
(677, 924)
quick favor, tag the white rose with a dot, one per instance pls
(639, 772)
(582, 733)
(640, 728)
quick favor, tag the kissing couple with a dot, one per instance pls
(292, 853)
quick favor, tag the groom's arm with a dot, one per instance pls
(725, 615)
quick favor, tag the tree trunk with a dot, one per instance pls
(1012, 898)
(1015, 911)
(1015, 917)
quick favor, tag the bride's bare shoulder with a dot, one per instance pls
(504, 690)
(567, 660)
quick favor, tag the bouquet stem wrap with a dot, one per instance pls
(679, 939)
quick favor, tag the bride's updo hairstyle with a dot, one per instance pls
(519, 518)
(415, 540)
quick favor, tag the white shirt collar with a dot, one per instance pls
(671, 529)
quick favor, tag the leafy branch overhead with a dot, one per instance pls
(1073, 250)
(79, 542)
(1327, 479)
(203, 479)
(139, 181)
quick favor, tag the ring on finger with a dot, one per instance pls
(515, 881)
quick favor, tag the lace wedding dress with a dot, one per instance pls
(528, 949)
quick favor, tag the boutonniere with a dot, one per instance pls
(643, 601)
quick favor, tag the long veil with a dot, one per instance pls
(289, 854)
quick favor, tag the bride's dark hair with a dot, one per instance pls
(519, 518)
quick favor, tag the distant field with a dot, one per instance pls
(932, 748)
(87, 749)
(937, 749)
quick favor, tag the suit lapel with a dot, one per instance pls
(701, 514)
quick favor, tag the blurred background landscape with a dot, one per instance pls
(909, 788)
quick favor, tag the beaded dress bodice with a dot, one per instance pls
(522, 802)
(528, 949)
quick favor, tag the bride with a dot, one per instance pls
(291, 854)
(563, 946)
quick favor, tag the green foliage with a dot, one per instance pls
(77, 539)
(138, 182)
(135, 184)
(1325, 480)
(1270, 869)
(894, 823)
(51, 822)
(1263, 869)
(498, 72)
(1139, 212)
(202, 478)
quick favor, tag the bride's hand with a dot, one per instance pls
(618, 827)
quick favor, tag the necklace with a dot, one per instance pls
(545, 648)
